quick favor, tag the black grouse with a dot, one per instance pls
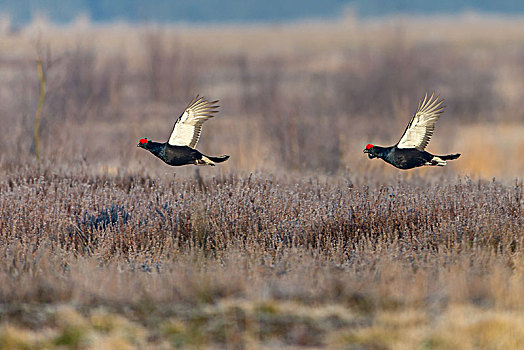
(409, 152)
(180, 148)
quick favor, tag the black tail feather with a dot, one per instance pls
(450, 156)
(219, 159)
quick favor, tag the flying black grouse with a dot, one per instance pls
(180, 148)
(409, 152)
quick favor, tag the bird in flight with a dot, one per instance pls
(409, 152)
(180, 148)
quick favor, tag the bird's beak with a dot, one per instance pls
(368, 151)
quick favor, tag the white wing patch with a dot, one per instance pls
(188, 126)
(420, 128)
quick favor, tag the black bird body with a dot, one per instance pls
(179, 155)
(180, 148)
(407, 158)
(409, 152)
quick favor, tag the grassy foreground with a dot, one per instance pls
(258, 261)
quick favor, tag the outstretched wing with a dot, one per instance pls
(420, 128)
(188, 126)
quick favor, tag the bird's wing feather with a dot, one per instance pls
(420, 128)
(188, 126)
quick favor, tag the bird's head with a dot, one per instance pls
(142, 143)
(370, 150)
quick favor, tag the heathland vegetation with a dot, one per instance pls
(298, 239)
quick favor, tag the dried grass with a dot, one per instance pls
(298, 240)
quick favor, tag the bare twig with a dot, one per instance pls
(41, 99)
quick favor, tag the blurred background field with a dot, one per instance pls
(298, 240)
(294, 97)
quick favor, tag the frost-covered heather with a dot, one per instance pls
(158, 251)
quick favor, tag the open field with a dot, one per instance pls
(297, 241)
(303, 97)
(259, 261)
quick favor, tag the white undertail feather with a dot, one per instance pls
(437, 161)
(205, 161)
